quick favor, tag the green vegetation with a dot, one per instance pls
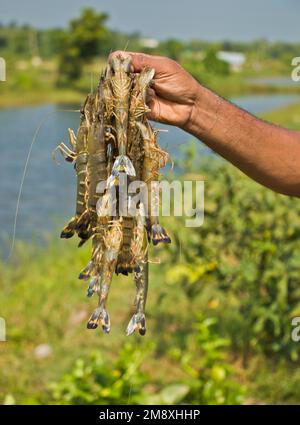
(288, 117)
(220, 306)
(89, 367)
(86, 39)
(208, 376)
(222, 298)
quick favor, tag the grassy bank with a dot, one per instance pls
(219, 310)
(27, 84)
(16, 99)
(288, 117)
(238, 85)
(13, 96)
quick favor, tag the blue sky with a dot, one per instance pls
(204, 19)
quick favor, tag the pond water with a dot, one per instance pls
(275, 81)
(48, 195)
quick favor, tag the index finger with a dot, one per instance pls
(142, 60)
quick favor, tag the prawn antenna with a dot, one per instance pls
(92, 82)
(126, 46)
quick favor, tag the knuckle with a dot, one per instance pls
(117, 53)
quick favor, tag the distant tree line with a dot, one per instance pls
(89, 36)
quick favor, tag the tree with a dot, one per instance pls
(86, 38)
(215, 65)
(172, 48)
(89, 34)
(70, 66)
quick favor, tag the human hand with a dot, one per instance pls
(174, 92)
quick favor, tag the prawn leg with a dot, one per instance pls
(138, 320)
(113, 242)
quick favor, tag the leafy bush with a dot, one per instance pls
(92, 381)
(210, 376)
(248, 252)
(87, 37)
(215, 65)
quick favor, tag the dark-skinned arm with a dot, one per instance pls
(265, 152)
